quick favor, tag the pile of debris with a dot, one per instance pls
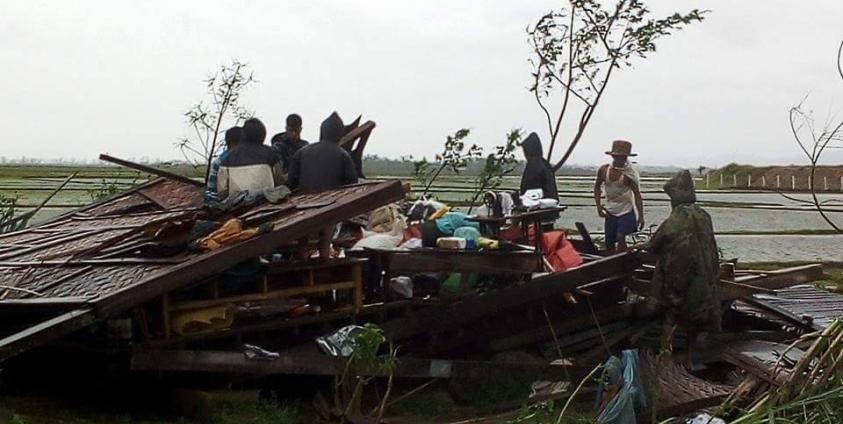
(134, 274)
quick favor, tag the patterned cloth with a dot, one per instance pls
(688, 269)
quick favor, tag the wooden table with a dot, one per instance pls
(524, 219)
(462, 261)
(465, 262)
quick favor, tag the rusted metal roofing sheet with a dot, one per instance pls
(806, 304)
(679, 392)
(69, 259)
(90, 257)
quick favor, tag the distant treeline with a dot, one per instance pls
(377, 165)
(372, 165)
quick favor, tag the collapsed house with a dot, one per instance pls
(119, 274)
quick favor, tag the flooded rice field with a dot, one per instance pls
(751, 225)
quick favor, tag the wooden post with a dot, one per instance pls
(357, 277)
(325, 243)
(165, 308)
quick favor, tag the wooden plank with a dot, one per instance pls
(463, 261)
(739, 290)
(271, 295)
(210, 263)
(282, 323)
(357, 279)
(225, 362)
(150, 170)
(312, 264)
(783, 278)
(84, 262)
(45, 332)
(566, 326)
(759, 358)
(587, 242)
(455, 314)
(43, 304)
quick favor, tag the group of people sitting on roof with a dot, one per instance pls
(247, 164)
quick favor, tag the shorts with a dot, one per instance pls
(618, 227)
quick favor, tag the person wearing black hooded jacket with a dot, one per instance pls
(323, 165)
(538, 173)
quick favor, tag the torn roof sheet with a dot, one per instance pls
(804, 303)
(92, 253)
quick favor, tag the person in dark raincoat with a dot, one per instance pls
(687, 271)
(323, 165)
(538, 173)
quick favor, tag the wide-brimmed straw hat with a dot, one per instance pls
(621, 148)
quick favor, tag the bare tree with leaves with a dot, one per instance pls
(577, 49)
(497, 165)
(211, 117)
(454, 156)
(814, 141)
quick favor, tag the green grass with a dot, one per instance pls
(86, 171)
(261, 413)
(426, 407)
(38, 410)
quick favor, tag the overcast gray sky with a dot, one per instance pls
(85, 77)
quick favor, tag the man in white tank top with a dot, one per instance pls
(623, 198)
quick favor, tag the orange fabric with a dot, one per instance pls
(560, 253)
(230, 232)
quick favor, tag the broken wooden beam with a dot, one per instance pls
(44, 332)
(236, 363)
(473, 308)
(525, 262)
(780, 279)
(567, 326)
(150, 170)
(762, 359)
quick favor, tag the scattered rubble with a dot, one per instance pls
(118, 274)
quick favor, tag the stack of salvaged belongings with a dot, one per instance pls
(429, 224)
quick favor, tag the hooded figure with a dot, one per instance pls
(687, 272)
(538, 173)
(323, 165)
